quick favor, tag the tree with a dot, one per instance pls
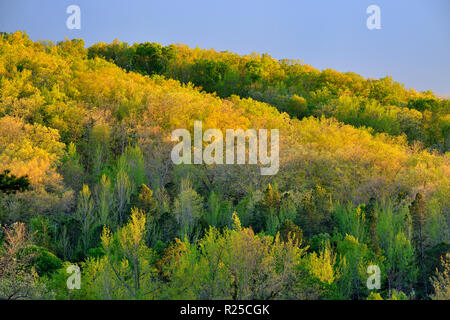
(234, 264)
(9, 183)
(297, 107)
(352, 148)
(99, 148)
(151, 58)
(351, 221)
(398, 251)
(212, 215)
(18, 279)
(321, 265)
(30, 150)
(400, 267)
(86, 216)
(122, 192)
(126, 270)
(148, 204)
(188, 209)
(208, 74)
(105, 200)
(146, 201)
(371, 218)
(353, 261)
(419, 214)
(132, 162)
(441, 280)
(290, 231)
(72, 169)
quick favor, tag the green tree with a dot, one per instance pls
(289, 231)
(104, 202)
(72, 168)
(297, 107)
(126, 271)
(86, 216)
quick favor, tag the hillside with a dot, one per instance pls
(363, 177)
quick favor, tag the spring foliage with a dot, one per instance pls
(363, 179)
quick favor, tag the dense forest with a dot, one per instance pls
(87, 179)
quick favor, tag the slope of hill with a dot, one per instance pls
(94, 141)
(294, 87)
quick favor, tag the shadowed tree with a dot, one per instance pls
(9, 183)
(419, 215)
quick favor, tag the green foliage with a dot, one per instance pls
(351, 221)
(353, 261)
(44, 261)
(219, 212)
(289, 230)
(42, 231)
(72, 168)
(104, 199)
(125, 271)
(188, 209)
(297, 107)
(235, 264)
(441, 280)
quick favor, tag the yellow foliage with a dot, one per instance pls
(32, 150)
(321, 266)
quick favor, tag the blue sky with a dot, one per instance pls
(413, 44)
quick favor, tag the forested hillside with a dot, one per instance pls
(87, 178)
(294, 87)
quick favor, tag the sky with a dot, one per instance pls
(412, 46)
